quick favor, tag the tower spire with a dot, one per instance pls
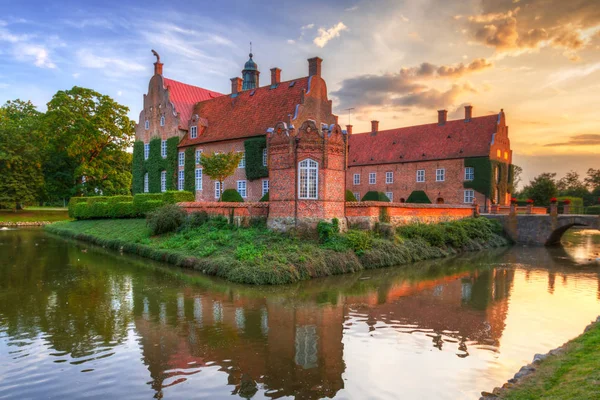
(250, 73)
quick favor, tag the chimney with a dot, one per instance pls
(468, 113)
(275, 76)
(442, 117)
(349, 129)
(374, 126)
(236, 85)
(314, 66)
(158, 66)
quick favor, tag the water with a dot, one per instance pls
(80, 322)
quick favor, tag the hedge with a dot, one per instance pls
(375, 196)
(231, 196)
(594, 210)
(265, 197)
(419, 197)
(576, 203)
(254, 158)
(350, 196)
(122, 209)
(142, 208)
(177, 196)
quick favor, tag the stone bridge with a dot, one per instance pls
(542, 230)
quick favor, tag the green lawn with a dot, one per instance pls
(574, 374)
(34, 214)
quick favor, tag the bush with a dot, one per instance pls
(122, 209)
(146, 202)
(418, 196)
(359, 241)
(197, 219)
(177, 196)
(265, 197)
(231, 196)
(79, 210)
(375, 196)
(328, 230)
(167, 218)
(576, 203)
(99, 209)
(593, 210)
(455, 234)
(350, 196)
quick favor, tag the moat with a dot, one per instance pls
(77, 321)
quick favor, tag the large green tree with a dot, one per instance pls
(21, 177)
(219, 166)
(572, 185)
(88, 137)
(542, 188)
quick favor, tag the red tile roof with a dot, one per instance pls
(248, 114)
(455, 139)
(184, 96)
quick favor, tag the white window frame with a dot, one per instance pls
(162, 120)
(146, 150)
(307, 166)
(218, 190)
(372, 178)
(420, 175)
(163, 148)
(469, 196)
(356, 196)
(198, 179)
(356, 179)
(469, 173)
(182, 158)
(146, 183)
(265, 186)
(181, 180)
(265, 157)
(440, 173)
(147, 125)
(242, 188)
(390, 195)
(198, 153)
(389, 177)
(163, 181)
(242, 163)
(193, 132)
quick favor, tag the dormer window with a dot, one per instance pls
(147, 125)
(193, 132)
(162, 120)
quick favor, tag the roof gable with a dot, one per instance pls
(184, 97)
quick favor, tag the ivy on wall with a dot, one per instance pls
(154, 165)
(254, 158)
(491, 177)
(511, 179)
(137, 168)
(189, 174)
(171, 162)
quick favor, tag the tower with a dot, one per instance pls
(250, 74)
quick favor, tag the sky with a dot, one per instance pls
(394, 61)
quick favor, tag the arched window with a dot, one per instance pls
(308, 179)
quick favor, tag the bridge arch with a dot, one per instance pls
(567, 223)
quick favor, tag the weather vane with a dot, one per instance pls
(350, 115)
(250, 48)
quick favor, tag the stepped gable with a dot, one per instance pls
(248, 113)
(184, 97)
(454, 139)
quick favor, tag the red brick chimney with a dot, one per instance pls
(349, 129)
(236, 85)
(468, 113)
(314, 66)
(442, 117)
(158, 66)
(374, 126)
(275, 76)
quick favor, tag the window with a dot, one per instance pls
(181, 180)
(242, 163)
(198, 152)
(146, 150)
(198, 178)
(147, 125)
(389, 177)
(469, 173)
(308, 179)
(440, 175)
(420, 175)
(146, 183)
(356, 196)
(469, 196)
(163, 149)
(217, 190)
(181, 158)
(372, 178)
(499, 153)
(163, 181)
(390, 195)
(241, 188)
(162, 120)
(357, 179)
(265, 186)
(265, 157)
(506, 155)
(193, 132)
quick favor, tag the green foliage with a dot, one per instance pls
(265, 197)
(138, 169)
(350, 196)
(541, 189)
(483, 180)
(197, 219)
(576, 203)
(418, 196)
(328, 230)
(455, 234)
(359, 241)
(73, 203)
(177, 196)
(231, 196)
(122, 209)
(593, 210)
(112, 207)
(254, 158)
(143, 208)
(167, 218)
(155, 164)
(220, 166)
(189, 174)
(375, 196)
(249, 252)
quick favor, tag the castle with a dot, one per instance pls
(296, 153)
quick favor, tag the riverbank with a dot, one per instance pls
(256, 255)
(32, 216)
(571, 371)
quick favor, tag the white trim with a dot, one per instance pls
(356, 179)
(182, 158)
(471, 175)
(356, 196)
(372, 178)
(181, 180)
(265, 157)
(198, 179)
(218, 190)
(390, 175)
(163, 181)
(245, 189)
(198, 153)
(162, 120)
(308, 168)
(147, 125)
(422, 178)
(146, 150)
(263, 186)
(242, 163)
(440, 172)
(390, 195)
(193, 132)
(469, 194)
(163, 148)
(146, 183)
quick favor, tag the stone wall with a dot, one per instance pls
(241, 213)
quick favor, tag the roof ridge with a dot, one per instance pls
(431, 123)
(188, 84)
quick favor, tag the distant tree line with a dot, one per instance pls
(77, 147)
(546, 186)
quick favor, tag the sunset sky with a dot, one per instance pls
(395, 61)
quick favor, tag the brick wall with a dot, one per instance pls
(241, 212)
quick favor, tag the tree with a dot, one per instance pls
(220, 166)
(593, 179)
(542, 188)
(89, 134)
(571, 185)
(517, 176)
(20, 156)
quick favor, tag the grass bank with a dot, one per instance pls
(256, 255)
(573, 373)
(34, 214)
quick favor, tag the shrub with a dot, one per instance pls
(248, 252)
(122, 209)
(99, 209)
(167, 218)
(177, 196)
(593, 210)
(375, 196)
(419, 197)
(79, 210)
(576, 203)
(265, 197)
(360, 241)
(350, 196)
(197, 219)
(231, 196)
(328, 230)
(142, 209)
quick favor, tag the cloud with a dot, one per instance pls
(291, 41)
(446, 71)
(325, 35)
(110, 65)
(37, 53)
(306, 27)
(353, 8)
(587, 139)
(572, 73)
